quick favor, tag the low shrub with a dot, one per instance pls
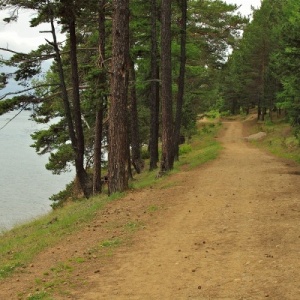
(184, 148)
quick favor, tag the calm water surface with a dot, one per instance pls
(25, 184)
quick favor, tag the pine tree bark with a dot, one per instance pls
(118, 131)
(97, 186)
(63, 88)
(137, 162)
(74, 127)
(167, 159)
(79, 147)
(154, 90)
(181, 78)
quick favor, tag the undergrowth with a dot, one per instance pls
(281, 139)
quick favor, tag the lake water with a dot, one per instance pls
(25, 184)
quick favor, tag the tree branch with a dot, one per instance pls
(26, 90)
(23, 107)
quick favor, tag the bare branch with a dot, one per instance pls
(12, 51)
(23, 107)
(42, 56)
(26, 55)
(26, 90)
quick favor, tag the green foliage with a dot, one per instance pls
(61, 197)
(213, 27)
(208, 128)
(184, 149)
(281, 140)
(47, 140)
(264, 70)
(286, 62)
(225, 113)
(3, 80)
(59, 160)
(249, 79)
(10, 104)
(145, 153)
(213, 114)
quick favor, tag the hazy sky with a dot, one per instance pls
(245, 5)
(20, 37)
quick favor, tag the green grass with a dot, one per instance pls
(204, 148)
(133, 226)
(61, 267)
(200, 149)
(152, 208)
(111, 243)
(22, 244)
(39, 296)
(280, 140)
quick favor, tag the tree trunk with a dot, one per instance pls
(167, 159)
(97, 187)
(118, 154)
(137, 162)
(63, 88)
(154, 91)
(181, 78)
(77, 144)
(79, 153)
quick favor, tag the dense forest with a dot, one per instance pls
(131, 77)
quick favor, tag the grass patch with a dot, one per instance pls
(144, 179)
(168, 185)
(132, 226)
(39, 296)
(79, 260)
(280, 140)
(152, 208)
(184, 149)
(201, 148)
(111, 243)
(21, 244)
(204, 147)
(61, 267)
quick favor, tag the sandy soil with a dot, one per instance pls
(226, 230)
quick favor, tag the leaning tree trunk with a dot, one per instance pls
(97, 187)
(75, 132)
(167, 159)
(154, 90)
(64, 92)
(181, 78)
(118, 131)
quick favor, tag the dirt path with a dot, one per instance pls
(228, 230)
